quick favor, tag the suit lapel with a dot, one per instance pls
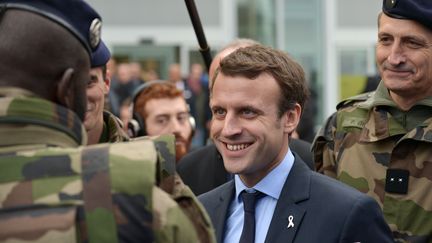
(221, 209)
(289, 213)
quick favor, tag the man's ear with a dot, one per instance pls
(107, 81)
(64, 88)
(292, 118)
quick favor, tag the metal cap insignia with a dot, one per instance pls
(390, 3)
(95, 32)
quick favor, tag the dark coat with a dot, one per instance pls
(322, 209)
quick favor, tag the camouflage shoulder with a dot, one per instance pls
(165, 146)
(354, 100)
(132, 177)
(166, 165)
(324, 139)
(195, 211)
(169, 221)
(137, 161)
(326, 130)
(182, 198)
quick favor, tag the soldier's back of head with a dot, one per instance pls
(28, 56)
(45, 48)
(53, 189)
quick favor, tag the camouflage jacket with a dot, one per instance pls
(113, 129)
(369, 136)
(54, 190)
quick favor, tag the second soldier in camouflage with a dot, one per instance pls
(381, 142)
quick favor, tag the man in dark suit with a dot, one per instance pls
(203, 169)
(256, 98)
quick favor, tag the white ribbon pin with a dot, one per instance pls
(290, 222)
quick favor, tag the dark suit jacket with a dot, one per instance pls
(323, 209)
(203, 169)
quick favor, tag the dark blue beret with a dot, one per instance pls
(74, 15)
(101, 56)
(417, 10)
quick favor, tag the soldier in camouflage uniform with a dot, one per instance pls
(380, 142)
(101, 125)
(52, 189)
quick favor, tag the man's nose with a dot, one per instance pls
(175, 126)
(396, 55)
(231, 126)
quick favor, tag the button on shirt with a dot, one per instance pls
(271, 185)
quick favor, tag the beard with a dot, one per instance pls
(182, 147)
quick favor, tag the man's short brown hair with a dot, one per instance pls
(254, 60)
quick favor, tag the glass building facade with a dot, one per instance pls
(332, 39)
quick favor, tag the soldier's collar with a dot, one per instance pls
(383, 98)
(15, 92)
(17, 108)
(380, 97)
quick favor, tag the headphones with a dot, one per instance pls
(136, 126)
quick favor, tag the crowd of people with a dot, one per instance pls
(127, 77)
(95, 151)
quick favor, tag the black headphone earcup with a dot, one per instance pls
(133, 128)
(136, 126)
(192, 124)
(142, 130)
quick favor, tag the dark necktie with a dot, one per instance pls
(249, 199)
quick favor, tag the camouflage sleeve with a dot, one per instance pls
(323, 147)
(170, 223)
(170, 182)
(115, 128)
(190, 205)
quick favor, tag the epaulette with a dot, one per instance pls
(354, 99)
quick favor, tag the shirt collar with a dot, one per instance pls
(273, 182)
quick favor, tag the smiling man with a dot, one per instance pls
(256, 99)
(380, 142)
(100, 124)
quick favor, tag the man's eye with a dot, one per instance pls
(248, 113)
(384, 40)
(414, 44)
(218, 112)
(183, 117)
(91, 81)
(162, 121)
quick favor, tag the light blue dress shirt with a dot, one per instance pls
(271, 185)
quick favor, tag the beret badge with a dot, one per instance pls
(390, 3)
(95, 32)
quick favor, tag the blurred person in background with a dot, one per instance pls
(136, 73)
(175, 77)
(160, 108)
(122, 86)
